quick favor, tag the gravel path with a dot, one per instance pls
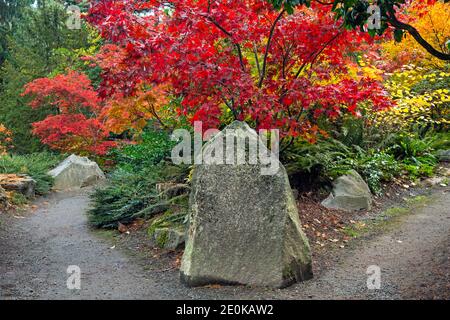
(36, 250)
(413, 255)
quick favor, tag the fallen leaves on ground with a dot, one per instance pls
(323, 226)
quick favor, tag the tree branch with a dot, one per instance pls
(255, 51)
(285, 60)
(392, 19)
(269, 41)
(238, 47)
(316, 55)
(230, 106)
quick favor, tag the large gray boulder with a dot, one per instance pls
(244, 226)
(350, 193)
(76, 172)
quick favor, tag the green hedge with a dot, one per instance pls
(131, 192)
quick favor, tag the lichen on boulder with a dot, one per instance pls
(168, 230)
(169, 238)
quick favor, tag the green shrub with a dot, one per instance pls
(131, 192)
(132, 195)
(329, 158)
(152, 148)
(351, 132)
(18, 199)
(417, 154)
(127, 194)
(420, 166)
(304, 156)
(357, 131)
(35, 165)
(374, 166)
(409, 145)
(440, 141)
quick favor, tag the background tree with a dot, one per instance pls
(10, 13)
(76, 127)
(417, 81)
(39, 45)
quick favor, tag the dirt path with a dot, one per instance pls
(35, 252)
(413, 254)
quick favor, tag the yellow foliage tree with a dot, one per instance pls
(422, 99)
(434, 26)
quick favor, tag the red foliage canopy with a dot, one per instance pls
(261, 65)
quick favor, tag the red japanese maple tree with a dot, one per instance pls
(76, 126)
(235, 58)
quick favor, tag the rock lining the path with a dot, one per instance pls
(350, 193)
(444, 155)
(169, 238)
(76, 172)
(20, 183)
